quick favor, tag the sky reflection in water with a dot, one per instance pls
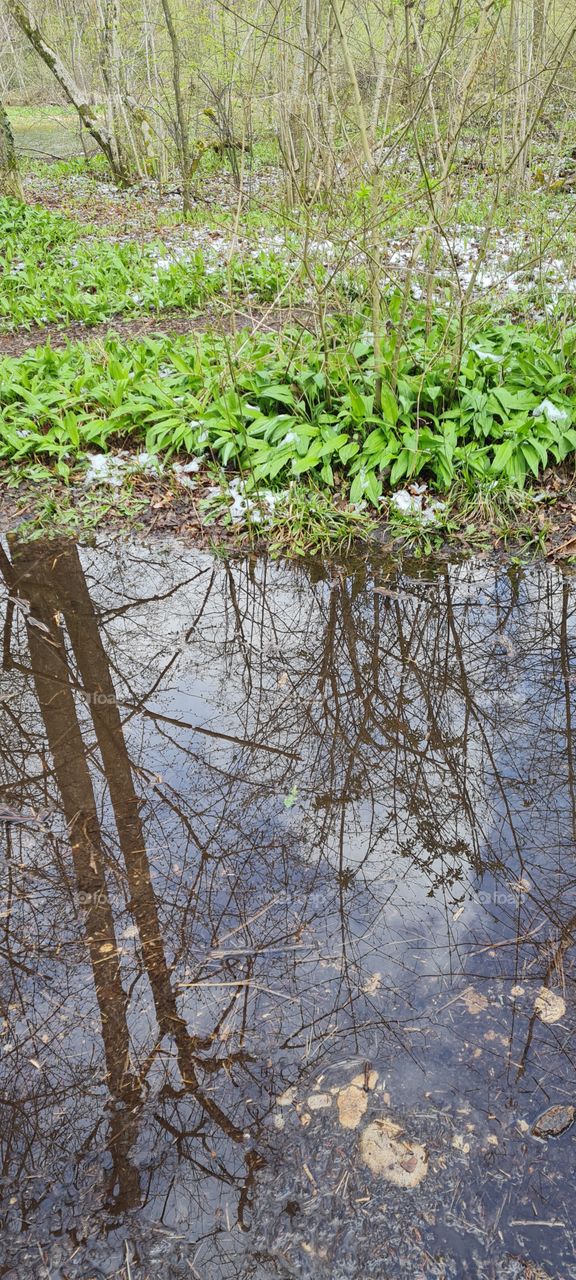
(282, 823)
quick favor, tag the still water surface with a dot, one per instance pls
(267, 830)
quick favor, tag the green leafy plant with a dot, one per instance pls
(283, 408)
(54, 270)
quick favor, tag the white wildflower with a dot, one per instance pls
(550, 411)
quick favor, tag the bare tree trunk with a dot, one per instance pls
(303, 106)
(126, 121)
(524, 90)
(9, 178)
(54, 688)
(74, 93)
(110, 59)
(181, 123)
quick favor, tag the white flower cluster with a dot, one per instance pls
(113, 468)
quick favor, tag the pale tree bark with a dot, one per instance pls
(9, 177)
(304, 119)
(110, 62)
(311, 36)
(523, 51)
(373, 176)
(73, 91)
(181, 122)
(533, 71)
(127, 123)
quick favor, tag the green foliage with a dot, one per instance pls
(53, 270)
(281, 409)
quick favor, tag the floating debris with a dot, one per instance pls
(474, 1000)
(319, 1101)
(401, 1162)
(554, 1121)
(352, 1103)
(549, 1006)
(353, 1100)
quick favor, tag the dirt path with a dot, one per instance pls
(173, 323)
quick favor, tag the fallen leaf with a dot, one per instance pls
(372, 985)
(286, 1099)
(317, 1101)
(475, 1002)
(494, 1037)
(352, 1103)
(403, 1163)
(548, 1006)
(554, 1121)
(368, 1081)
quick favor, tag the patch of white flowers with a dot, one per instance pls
(415, 501)
(113, 468)
(552, 412)
(258, 508)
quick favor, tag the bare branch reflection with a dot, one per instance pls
(281, 823)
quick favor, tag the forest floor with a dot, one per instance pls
(104, 276)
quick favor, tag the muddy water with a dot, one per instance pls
(266, 831)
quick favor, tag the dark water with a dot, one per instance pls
(289, 828)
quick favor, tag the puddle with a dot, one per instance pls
(287, 860)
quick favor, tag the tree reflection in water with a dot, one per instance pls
(288, 816)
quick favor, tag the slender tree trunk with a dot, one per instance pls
(109, 59)
(126, 120)
(304, 105)
(73, 91)
(9, 178)
(64, 587)
(181, 123)
(54, 688)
